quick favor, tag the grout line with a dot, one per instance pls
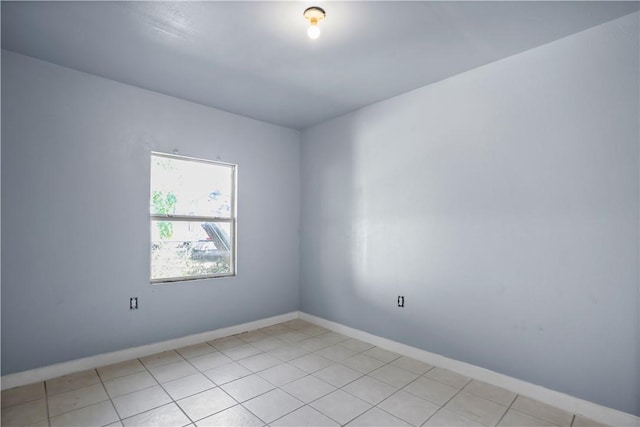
(46, 402)
(109, 397)
(384, 410)
(165, 390)
(508, 409)
(445, 403)
(248, 410)
(573, 419)
(49, 417)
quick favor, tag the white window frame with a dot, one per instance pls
(232, 219)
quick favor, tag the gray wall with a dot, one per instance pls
(75, 235)
(503, 203)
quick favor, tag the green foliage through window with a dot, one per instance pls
(164, 205)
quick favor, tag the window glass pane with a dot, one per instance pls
(190, 187)
(190, 248)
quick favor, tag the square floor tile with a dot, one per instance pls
(314, 331)
(312, 326)
(159, 359)
(140, 401)
(515, 418)
(477, 409)
(42, 423)
(207, 403)
(580, 421)
(99, 414)
(25, 414)
(76, 399)
(282, 374)
(226, 342)
(340, 406)
(186, 386)
(490, 392)
(272, 405)
(370, 390)
(356, 345)
(408, 407)
(259, 362)
(336, 353)
(241, 351)
(381, 354)
(269, 344)
(192, 351)
(412, 365)
(210, 361)
(337, 375)
(447, 377)
(293, 336)
(130, 383)
(121, 369)
(375, 417)
(72, 382)
(289, 352)
(314, 344)
(449, 419)
(247, 387)
(275, 329)
(311, 363)
(362, 363)
(542, 410)
(23, 394)
(173, 371)
(332, 338)
(227, 373)
(281, 332)
(234, 416)
(431, 390)
(393, 375)
(252, 336)
(299, 324)
(308, 389)
(164, 416)
(305, 416)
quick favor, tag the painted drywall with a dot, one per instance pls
(503, 204)
(75, 235)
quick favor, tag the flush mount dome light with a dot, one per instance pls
(314, 15)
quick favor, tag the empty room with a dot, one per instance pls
(333, 213)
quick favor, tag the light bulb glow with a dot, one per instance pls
(314, 15)
(313, 32)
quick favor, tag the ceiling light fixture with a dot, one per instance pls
(314, 15)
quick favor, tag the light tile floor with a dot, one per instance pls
(291, 374)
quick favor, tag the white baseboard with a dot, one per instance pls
(563, 401)
(92, 362)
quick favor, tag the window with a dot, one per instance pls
(193, 218)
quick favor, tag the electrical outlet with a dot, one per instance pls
(133, 303)
(400, 300)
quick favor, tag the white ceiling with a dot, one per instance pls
(255, 59)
